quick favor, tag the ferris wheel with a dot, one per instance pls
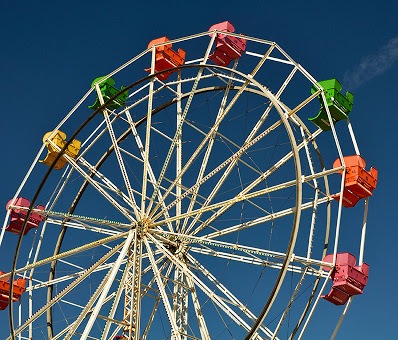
(203, 199)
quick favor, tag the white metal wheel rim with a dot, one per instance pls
(299, 176)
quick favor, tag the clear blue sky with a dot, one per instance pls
(51, 51)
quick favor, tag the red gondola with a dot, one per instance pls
(18, 216)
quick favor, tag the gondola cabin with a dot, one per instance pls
(55, 145)
(228, 47)
(17, 290)
(108, 91)
(348, 279)
(18, 216)
(339, 105)
(359, 183)
(166, 58)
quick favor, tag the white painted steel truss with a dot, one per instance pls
(199, 203)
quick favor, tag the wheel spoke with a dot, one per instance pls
(207, 153)
(99, 188)
(173, 144)
(244, 195)
(105, 290)
(216, 124)
(205, 289)
(253, 252)
(230, 162)
(89, 306)
(147, 168)
(64, 292)
(117, 152)
(264, 219)
(233, 300)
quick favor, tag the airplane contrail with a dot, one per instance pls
(373, 65)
